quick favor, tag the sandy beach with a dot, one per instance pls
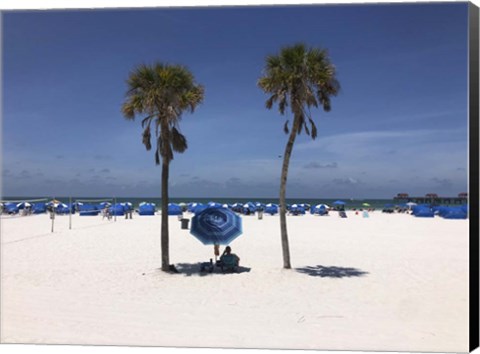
(389, 282)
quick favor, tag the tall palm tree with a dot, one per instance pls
(161, 93)
(299, 77)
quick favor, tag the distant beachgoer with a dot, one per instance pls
(106, 213)
(229, 260)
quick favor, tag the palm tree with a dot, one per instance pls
(301, 78)
(161, 93)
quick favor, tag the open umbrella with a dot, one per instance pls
(216, 226)
(366, 204)
(410, 205)
(23, 205)
(339, 202)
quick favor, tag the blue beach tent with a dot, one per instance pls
(174, 209)
(319, 209)
(259, 206)
(127, 206)
(271, 209)
(199, 208)
(214, 205)
(249, 208)
(117, 209)
(296, 209)
(423, 212)
(39, 208)
(62, 209)
(23, 205)
(455, 213)
(146, 209)
(10, 208)
(86, 207)
(191, 207)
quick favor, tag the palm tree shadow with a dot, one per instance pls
(189, 269)
(331, 272)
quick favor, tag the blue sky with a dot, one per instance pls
(399, 123)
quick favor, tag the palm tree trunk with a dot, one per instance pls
(283, 189)
(164, 230)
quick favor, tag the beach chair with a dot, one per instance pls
(342, 214)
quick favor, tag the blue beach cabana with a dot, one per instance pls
(117, 210)
(62, 209)
(174, 209)
(319, 209)
(39, 208)
(423, 212)
(271, 208)
(146, 209)
(249, 208)
(10, 208)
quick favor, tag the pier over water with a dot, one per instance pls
(432, 199)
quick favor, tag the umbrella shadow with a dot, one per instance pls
(331, 272)
(189, 269)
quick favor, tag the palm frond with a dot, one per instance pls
(179, 142)
(146, 138)
(314, 128)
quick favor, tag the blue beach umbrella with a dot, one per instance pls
(216, 226)
(339, 202)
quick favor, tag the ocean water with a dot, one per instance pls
(350, 203)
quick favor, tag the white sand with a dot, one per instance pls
(99, 283)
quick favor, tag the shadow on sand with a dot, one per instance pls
(331, 272)
(189, 269)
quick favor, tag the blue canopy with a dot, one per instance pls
(320, 209)
(339, 202)
(297, 209)
(271, 209)
(455, 213)
(62, 209)
(86, 207)
(146, 209)
(216, 226)
(39, 208)
(199, 208)
(214, 205)
(127, 206)
(10, 208)
(423, 212)
(117, 209)
(103, 205)
(174, 209)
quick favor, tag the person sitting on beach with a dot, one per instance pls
(229, 260)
